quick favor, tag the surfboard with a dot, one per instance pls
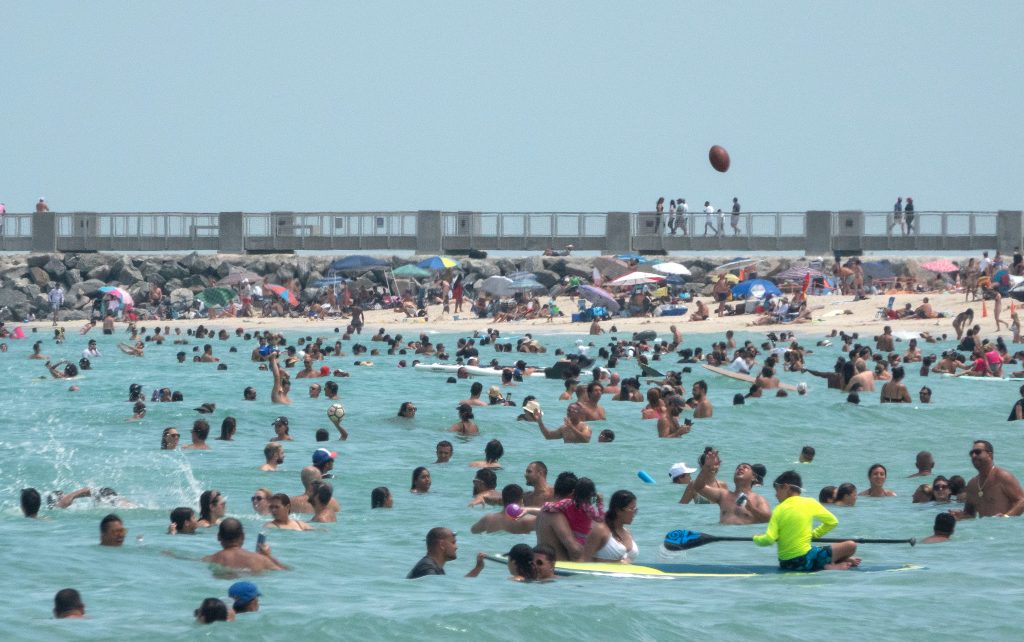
(672, 571)
(474, 371)
(970, 378)
(739, 376)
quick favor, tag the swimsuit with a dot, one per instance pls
(614, 550)
(579, 518)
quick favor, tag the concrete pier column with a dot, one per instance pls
(618, 236)
(231, 230)
(1009, 228)
(429, 232)
(44, 232)
(818, 228)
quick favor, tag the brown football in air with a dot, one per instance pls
(719, 158)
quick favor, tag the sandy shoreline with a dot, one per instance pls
(862, 317)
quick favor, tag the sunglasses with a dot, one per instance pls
(257, 498)
(941, 487)
(974, 452)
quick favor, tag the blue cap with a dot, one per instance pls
(243, 592)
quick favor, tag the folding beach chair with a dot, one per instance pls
(884, 313)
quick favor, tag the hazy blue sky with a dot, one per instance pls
(538, 106)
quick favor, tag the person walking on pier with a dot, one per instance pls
(682, 210)
(734, 219)
(897, 215)
(709, 221)
(908, 214)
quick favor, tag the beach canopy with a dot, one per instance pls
(235, 278)
(637, 278)
(755, 288)
(497, 285)
(941, 266)
(330, 281)
(671, 267)
(736, 264)
(438, 263)
(600, 297)
(410, 271)
(284, 293)
(118, 293)
(357, 262)
(799, 273)
(217, 296)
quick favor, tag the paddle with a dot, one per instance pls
(681, 540)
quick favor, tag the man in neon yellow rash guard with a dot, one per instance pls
(791, 527)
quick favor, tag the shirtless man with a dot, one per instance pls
(280, 509)
(282, 383)
(767, 379)
(721, 293)
(925, 311)
(231, 536)
(741, 506)
(514, 520)
(924, 463)
(274, 454)
(208, 355)
(592, 410)
(884, 342)
(864, 377)
(993, 491)
(669, 425)
(307, 371)
(474, 399)
(573, 429)
(702, 408)
(536, 476)
(553, 528)
(595, 328)
(300, 503)
(702, 312)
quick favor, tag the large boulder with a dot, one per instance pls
(172, 270)
(55, 268)
(531, 263)
(88, 288)
(39, 276)
(555, 264)
(72, 277)
(506, 266)
(196, 282)
(39, 260)
(89, 262)
(13, 299)
(580, 267)
(547, 278)
(100, 273)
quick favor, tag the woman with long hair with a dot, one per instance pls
(611, 540)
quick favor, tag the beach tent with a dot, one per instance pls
(755, 288)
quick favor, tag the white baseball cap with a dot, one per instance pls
(680, 469)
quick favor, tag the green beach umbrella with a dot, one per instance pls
(411, 271)
(216, 296)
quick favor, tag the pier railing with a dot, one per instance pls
(431, 232)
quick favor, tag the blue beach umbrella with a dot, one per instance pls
(756, 288)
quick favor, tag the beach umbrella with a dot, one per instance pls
(119, 293)
(438, 263)
(410, 271)
(799, 273)
(216, 296)
(671, 267)
(519, 276)
(941, 266)
(755, 288)
(525, 285)
(181, 295)
(599, 296)
(731, 278)
(357, 262)
(637, 278)
(329, 281)
(284, 293)
(497, 285)
(736, 264)
(237, 277)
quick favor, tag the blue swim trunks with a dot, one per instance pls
(813, 560)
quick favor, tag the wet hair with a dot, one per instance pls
(957, 484)
(181, 515)
(331, 388)
(30, 502)
(445, 442)
(404, 408)
(284, 499)
(476, 388)
(212, 610)
(607, 434)
(546, 551)
(807, 451)
(177, 396)
(790, 478)
(65, 601)
(201, 428)
(322, 492)
(416, 473)
(493, 451)
(512, 494)
(379, 496)
(564, 484)
(945, 523)
(322, 434)
(249, 392)
(620, 500)
(465, 411)
(541, 466)
(737, 399)
(520, 557)
(206, 503)
(227, 428)
(487, 477)
(987, 445)
(135, 392)
(827, 495)
(585, 492)
(435, 535)
(109, 519)
(874, 466)
(759, 473)
(845, 490)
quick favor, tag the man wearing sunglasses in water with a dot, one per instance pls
(993, 491)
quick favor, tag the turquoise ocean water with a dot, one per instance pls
(347, 579)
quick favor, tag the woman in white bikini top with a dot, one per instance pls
(610, 540)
